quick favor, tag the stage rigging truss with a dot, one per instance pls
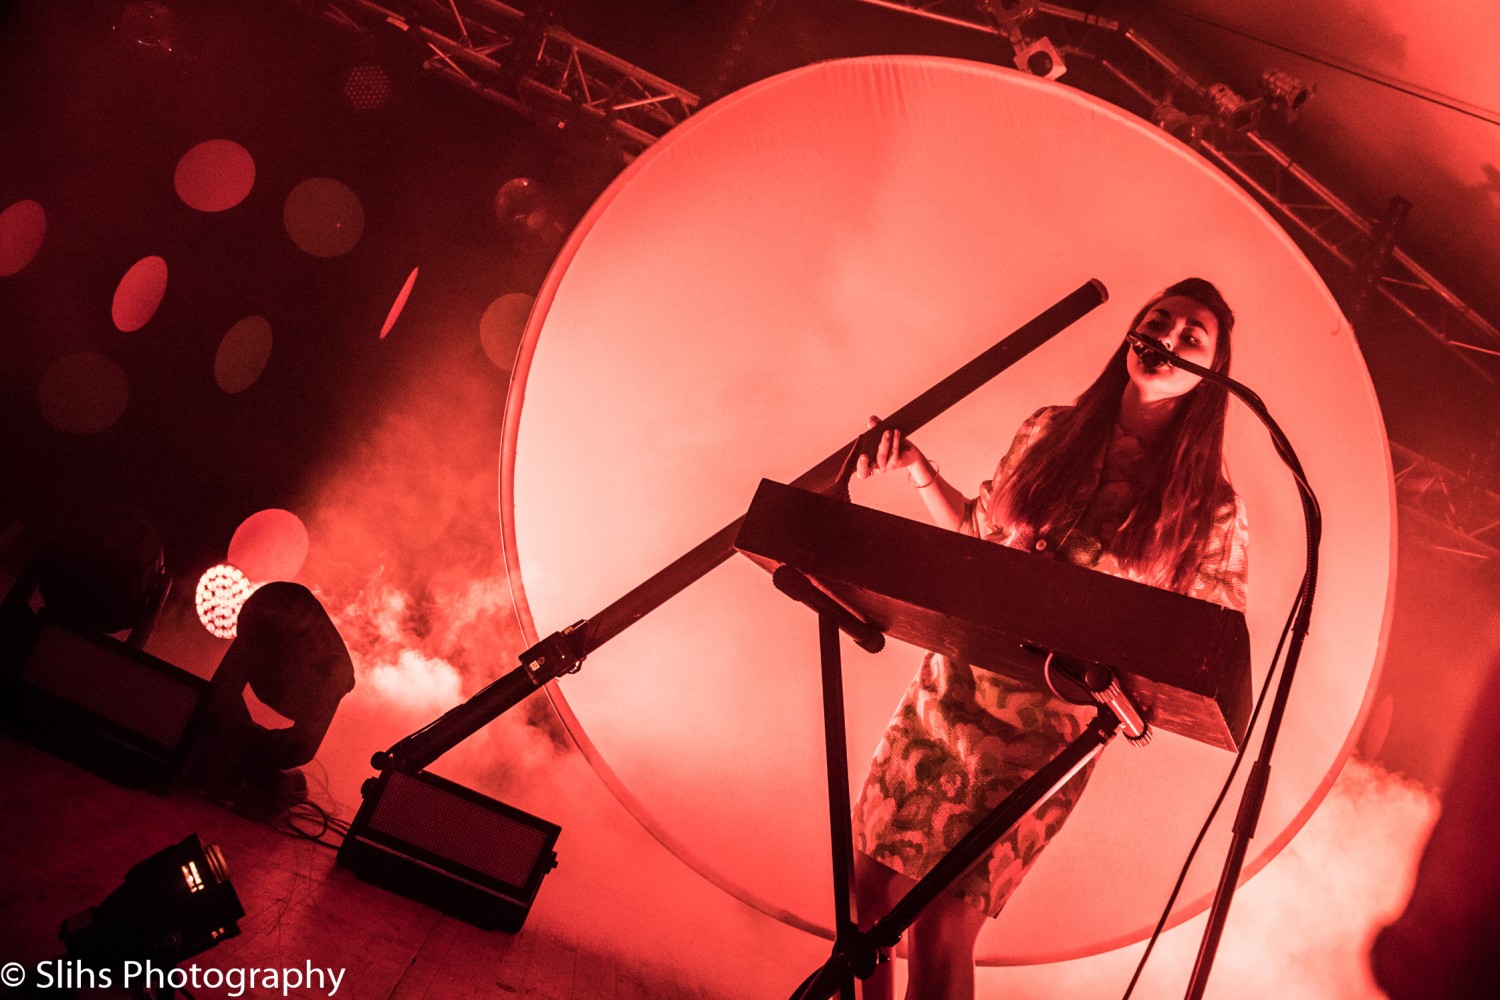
(526, 62)
(1306, 205)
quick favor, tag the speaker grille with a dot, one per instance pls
(111, 685)
(482, 840)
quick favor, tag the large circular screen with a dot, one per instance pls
(826, 245)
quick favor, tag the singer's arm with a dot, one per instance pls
(945, 504)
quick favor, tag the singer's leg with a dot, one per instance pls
(939, 944)
(940, 950)
(876, 889)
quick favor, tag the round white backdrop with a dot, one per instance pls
(825, 245)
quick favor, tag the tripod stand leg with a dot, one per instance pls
(1052, 775)
(839, 822)
(885, 932)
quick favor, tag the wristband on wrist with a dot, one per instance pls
(922, 486)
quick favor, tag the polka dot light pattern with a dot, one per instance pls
(501, 327)
(83, 393)
(22, 229)
(323, 217)
(269, 545)
(399, 304)
(215, 175)
(139, 293)
(242, 354)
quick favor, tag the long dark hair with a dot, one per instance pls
(1163, 537)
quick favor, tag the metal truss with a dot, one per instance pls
(1309, 207)
(1457, 513)
(1313, 210)
(536, 68)
(528, 64)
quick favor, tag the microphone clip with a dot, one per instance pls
(1152, 352)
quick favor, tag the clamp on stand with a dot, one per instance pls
(558, 654)
(1085, 683)
(554, 656)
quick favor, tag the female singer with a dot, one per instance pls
(1129, 480)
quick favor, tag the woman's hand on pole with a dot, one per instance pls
(945, 505)
(895, 452)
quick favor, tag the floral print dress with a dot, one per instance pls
(963, 737)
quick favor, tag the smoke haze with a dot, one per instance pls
(405, 555)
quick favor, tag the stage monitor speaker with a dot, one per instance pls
(107, 706)
(444, 845)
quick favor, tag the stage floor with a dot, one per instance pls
(619, 917)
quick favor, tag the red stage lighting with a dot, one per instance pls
(222, 591)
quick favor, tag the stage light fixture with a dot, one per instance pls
(1284, 92)
(104, 572)
(1040, 57)
(1182, 126)
(176, 904)
(1007, 14)
(1231, 111)
(367, 87)
(102, 704)
(222, 592)
(381, 65)
(289, 654)
(449, 847)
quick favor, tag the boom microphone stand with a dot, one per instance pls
(1151, 351)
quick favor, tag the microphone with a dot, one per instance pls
(1152, 352)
